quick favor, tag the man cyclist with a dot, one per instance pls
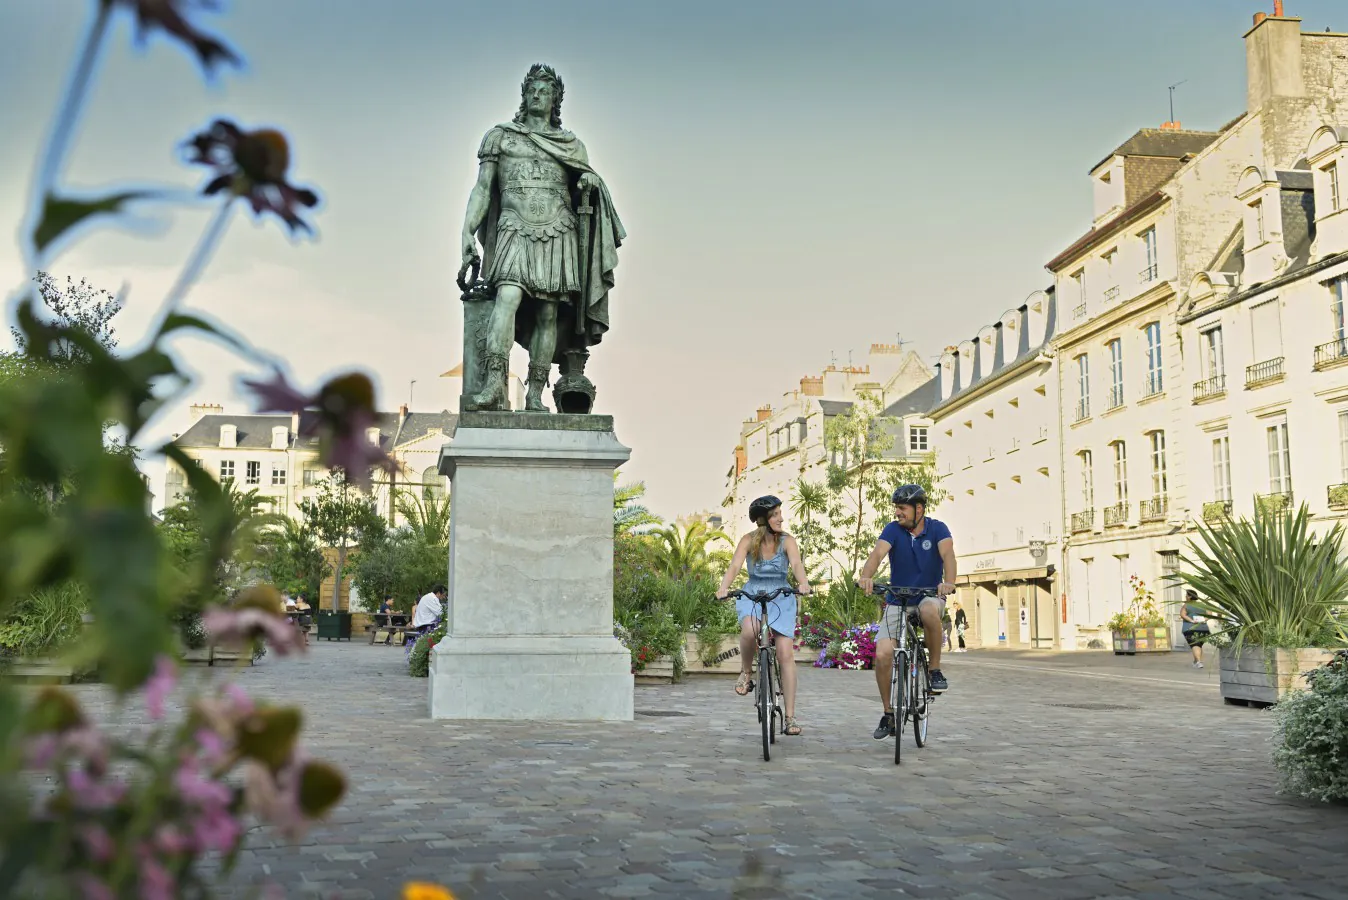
(921, 554)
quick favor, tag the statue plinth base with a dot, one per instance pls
(530, 609)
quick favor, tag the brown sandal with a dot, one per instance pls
(744, 684)
(791, 729)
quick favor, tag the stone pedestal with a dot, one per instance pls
(530, 611)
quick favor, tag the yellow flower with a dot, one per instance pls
(424, 890)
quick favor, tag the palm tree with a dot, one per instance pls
(681, 553)
(628, 514)
(427, 516)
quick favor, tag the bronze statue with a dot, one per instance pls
(550, 239)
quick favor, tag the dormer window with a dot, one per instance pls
(1332, 191)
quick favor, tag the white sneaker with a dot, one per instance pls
(1198, 665)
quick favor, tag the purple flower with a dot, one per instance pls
(97, 842)
(155, 881)
(239, 626)
(195, 789)
(216, 830)
(168, 839)
(159, 686)
(168, 15)
(211, 746)
(93, 889)
(252, 165)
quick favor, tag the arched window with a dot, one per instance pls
(437, 483)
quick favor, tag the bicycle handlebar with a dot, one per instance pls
(881, 590)
(762, 597)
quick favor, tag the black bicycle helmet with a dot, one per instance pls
(910, 494)
(762, 508)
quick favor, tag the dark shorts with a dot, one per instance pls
(1197, 636)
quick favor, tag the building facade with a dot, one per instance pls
(995, 435)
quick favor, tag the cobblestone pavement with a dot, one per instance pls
(1046, 776)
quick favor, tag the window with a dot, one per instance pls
(1332, 175)
(1214, 359)
(433, 481)
(278, 474)
(1080, 279)
(917, 438)
(1266, 330)
(1120, 472)
(1125, 589)
(226, 469)
(1158, 479)
(1279, 460)
(1149, 248)
(254, 472)
(1115, 373)
(1087, 480)
(1221, 469)
(1155, 380)
(1258, 207)
(1338, 295)
(1083, 386)
(312, 476)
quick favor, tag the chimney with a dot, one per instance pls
(402, 415)
(199, 410)
(741, 461)
(1277, 8)
(1273, 59)
(1171, 126)
(764, 413)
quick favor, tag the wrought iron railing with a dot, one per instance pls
(1332, 352)
(1274, 504)
(1263, 372)
(1153, 510)
(1148, 274)
(1083, 521)
(1217, 511)
(1079, 311)
(1111, 294)
(1083, 408)
(1116, 514)
(1155, 384)
(1116, 396)
(1209, 387)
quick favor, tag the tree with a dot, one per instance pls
(290, 556)
(628, 514)
(427, 516)
(838, 519)
(341, 516)
(684, 553)
(79, 306)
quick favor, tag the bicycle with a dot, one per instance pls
(769, 702)
(910, 693)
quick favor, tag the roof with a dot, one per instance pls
(254, 432)
(1166, 143)
(1108, 230)
(835, 407)
(918, 400)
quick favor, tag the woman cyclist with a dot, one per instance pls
(769, 552)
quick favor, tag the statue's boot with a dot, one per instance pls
(494, 393)
(538, 379)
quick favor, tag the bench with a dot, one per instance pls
(381, 626)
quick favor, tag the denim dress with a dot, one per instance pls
(767, 575)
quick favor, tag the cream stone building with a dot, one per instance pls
(266, 453)
(1168, 204)
(994, 426)
(781, 444)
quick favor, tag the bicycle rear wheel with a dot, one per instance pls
(898, 679)
(765, 701)
(921, 698)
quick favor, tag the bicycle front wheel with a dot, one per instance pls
(765, 701)
(921, 699)
(898, 679)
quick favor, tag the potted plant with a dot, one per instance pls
(1274, 598)
(1141, 628)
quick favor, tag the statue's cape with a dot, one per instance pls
(606, 231)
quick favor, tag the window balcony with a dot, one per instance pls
(1079, 312)
(1083, 521)
(1116, 396)
(1153, 386)
(1111, 294)
(1148, 275)
(1274, 504)
(1338, 496)
(1332, 353)
(1217, 512)
(1209, 388)
(1116, 515)
(1266, 372)
(1083, 409)
(1153, 510)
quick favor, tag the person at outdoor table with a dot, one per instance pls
(1195, 632)
(302, 619)
(430, 608)
(386, 608)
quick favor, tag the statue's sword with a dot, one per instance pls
(586, 212)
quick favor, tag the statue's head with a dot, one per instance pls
(542, 92)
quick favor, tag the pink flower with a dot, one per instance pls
(211, 745)
(243, 704)
(93, 889)
(155, 881)
(276, 798)
(216, 830)
(237, 626)
(90, 794)
(159, 686)
(202, 792)
(40, 752)
(98, 843)
(168, 839)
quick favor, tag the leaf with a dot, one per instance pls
(269, 735)
(321, 788)
(60, 214)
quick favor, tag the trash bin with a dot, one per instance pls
(335, 626)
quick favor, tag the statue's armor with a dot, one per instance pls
(534, 189)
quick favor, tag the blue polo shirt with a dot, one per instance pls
(915, 561)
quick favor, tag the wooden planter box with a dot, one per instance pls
(1142, 640)
(45, 671)
(1263, 677)
(658, 671)
(209, 656)
(727, 654)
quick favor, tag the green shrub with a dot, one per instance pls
(44, 622)
(419, 658)
(1311, 737)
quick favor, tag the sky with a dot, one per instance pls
(797, 179)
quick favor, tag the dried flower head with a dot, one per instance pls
(252, 165)
(170, 16)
